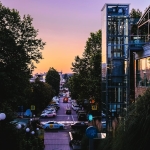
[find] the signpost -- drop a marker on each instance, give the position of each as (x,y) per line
(94,107)
(32,107)
(91,133)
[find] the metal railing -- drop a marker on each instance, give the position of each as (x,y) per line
(138,41)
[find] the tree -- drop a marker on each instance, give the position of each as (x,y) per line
(41,95)
(75,86)
(19,50)
(135,15)
(87,70)
(133,130)
(53,79)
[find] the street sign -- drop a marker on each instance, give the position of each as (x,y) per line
(32,107)
(94,107)
(91,132)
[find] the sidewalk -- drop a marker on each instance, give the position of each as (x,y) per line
(56,141)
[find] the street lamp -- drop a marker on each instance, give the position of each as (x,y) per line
(32,132)
(37,131)
(33,117)
(27,131)
(2,116)
(18,126)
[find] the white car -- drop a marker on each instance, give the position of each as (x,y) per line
(49,110)
(48,114)
(52,125)
(55,99)
(75,107)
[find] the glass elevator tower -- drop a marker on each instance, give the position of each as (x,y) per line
(115,60)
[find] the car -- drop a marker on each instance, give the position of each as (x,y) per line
(54,105)
(64,94)
(52,125)
(49,110)
(55,99)
(82,116)
(65,100)
(79,125)
(16,123)
(75,107)
(68,110)
(48,114)
(24,122)
(80,111)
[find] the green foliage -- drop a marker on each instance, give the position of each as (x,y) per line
(133,130)
(19,49)
(86,80)
(135,14)
(84,143)
(105,144)
(41,95)
(53,79)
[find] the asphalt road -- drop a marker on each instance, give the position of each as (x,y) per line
(59,139)
(61,115)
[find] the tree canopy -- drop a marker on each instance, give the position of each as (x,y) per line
(86,80)
(41,95)
(53,79)
(135,15)
(19,50)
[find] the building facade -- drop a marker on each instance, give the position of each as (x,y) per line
(142,57)
(115,59)
(125,59)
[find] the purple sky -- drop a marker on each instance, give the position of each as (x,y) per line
(65,26)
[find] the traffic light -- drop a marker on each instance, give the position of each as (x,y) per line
(90,117)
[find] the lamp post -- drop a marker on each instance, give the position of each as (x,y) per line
(37,130)
(18,126)
(34,117)
(2,125)
(2,116)
(32,132)
(27,132)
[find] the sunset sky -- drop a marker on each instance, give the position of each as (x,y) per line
(65,26)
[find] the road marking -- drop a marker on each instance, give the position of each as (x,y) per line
(65,115)
(72,118)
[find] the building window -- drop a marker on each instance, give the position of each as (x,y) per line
(143,72)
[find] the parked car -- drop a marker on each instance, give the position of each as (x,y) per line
(54,105)
(80,108)
(75,106)
(82,116)
(52,125)
(24,122)
(16,123)
(55,99)
(49,110)
(80,111)
(79,125)
(48,114)
(64,94)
